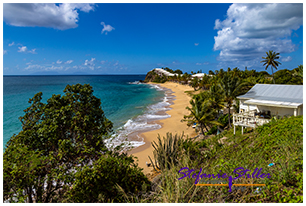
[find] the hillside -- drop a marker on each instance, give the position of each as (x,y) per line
(279,142)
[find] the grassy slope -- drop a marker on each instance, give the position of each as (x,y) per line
(280,142)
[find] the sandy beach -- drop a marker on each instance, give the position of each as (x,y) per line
(172,124)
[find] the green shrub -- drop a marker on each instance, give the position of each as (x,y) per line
(99,182)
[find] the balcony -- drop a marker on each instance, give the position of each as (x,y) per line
(249,119)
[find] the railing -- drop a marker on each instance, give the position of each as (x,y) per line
(246,120)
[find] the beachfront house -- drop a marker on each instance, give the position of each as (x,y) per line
(265,101)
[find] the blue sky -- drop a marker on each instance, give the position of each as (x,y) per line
(135,38)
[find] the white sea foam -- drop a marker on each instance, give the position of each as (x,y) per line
(156,116)
(157,87)
(141,123)
(131,126)
(136,82)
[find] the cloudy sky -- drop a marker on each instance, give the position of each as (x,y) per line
(134,38)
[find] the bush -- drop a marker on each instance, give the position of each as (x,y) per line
(107,178)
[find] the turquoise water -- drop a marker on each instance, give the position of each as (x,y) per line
(127,104)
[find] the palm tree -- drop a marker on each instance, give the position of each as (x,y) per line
(201,113)
(204,83)
(231,87)
(299,71)
(215,98)
(270,60)
(195,83)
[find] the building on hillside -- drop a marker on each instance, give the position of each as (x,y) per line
(265,101)
(199,75)
(161,72)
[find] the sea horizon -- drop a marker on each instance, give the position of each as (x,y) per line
(139,106)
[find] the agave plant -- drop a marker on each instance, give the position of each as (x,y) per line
(166,153)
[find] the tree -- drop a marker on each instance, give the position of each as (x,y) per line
(57,138)
(178,71)
(270,60)
(195,83)
(201,113)
(210,72)
(204,83)
(215,98)
(106,178)
(231,87)
(299,71)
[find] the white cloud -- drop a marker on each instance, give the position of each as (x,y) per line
(196,44)
(58,62)
(12,44)
(32,51)
(22,49)
(4,52)
(286,59)
(252,29)
(106,28)
(37,67)
(204,63)
(62,16)
(90,63)
(69,62)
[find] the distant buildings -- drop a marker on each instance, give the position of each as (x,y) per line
(161,72)
(200,75)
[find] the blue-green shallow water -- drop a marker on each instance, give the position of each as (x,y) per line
(128,105)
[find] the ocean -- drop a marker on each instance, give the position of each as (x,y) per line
(131,106)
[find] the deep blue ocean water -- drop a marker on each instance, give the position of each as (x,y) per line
(127,104)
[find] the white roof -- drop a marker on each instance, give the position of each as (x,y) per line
(280,95)
(200,75)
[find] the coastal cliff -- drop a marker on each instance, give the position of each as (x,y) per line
(152,76)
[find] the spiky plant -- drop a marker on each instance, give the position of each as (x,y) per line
(166,153)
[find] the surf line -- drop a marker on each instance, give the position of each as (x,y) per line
(242,173)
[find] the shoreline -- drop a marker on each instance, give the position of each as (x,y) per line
(172,124)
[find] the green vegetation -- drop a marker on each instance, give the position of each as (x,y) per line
(270,60)
(106,178)
(60,155)
(152,76)
(61,142)
(201,113)
(279,142)
(231,88)
(167,153)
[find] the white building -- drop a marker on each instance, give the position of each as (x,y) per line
(160,72)
(199,75)
(265,101)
